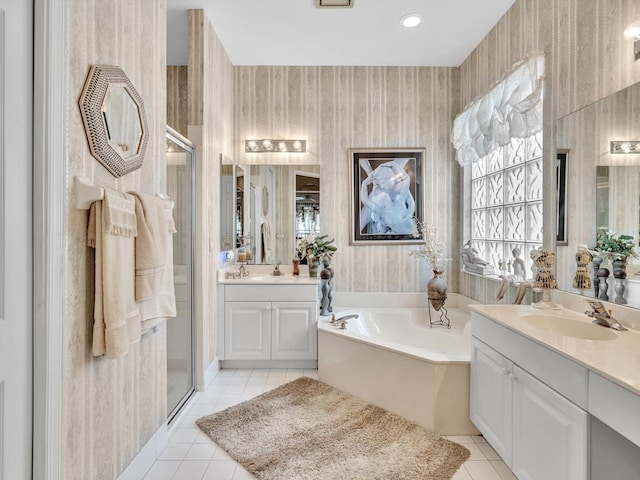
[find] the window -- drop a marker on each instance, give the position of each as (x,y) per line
(506,202)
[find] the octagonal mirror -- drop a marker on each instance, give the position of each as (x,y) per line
(114,119)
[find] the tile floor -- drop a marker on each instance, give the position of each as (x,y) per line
(191,455)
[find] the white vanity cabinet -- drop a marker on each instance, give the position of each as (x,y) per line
(270,326)
(539,433)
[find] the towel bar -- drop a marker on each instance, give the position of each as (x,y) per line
(86,192)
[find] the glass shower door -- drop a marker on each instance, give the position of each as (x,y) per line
(180,330)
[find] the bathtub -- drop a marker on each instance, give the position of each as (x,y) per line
(392,358)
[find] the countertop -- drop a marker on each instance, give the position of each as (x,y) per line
(617,359)
(261,275)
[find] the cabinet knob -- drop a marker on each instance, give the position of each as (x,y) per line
(505,371)
(268,307)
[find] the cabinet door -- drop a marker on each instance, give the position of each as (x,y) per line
(491,402)
(294,331)
(550,435)
(247,331)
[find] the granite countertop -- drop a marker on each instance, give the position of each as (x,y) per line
(617,359)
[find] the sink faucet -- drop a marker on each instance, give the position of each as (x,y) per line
(602,317)
(276,271)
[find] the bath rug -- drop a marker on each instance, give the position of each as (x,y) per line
(306,429)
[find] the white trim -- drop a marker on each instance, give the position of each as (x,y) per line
(211,371)
(49,221)
(2,160)
(147,455)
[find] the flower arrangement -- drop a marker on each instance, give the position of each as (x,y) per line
(316,246)
(614,247)
(432,248)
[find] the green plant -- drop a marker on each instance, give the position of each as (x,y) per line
(316,246)
(614,247)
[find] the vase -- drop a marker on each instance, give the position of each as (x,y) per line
(597,260)
(603,274)
(437,290)
(314,264)
(619,273)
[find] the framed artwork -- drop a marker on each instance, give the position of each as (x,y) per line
(561,197)
(386,195)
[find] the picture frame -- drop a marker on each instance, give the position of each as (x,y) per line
(562,157)
(386,195)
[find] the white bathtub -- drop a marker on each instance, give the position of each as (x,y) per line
(392,358)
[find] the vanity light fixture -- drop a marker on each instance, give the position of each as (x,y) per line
(270,145)
(625,146)
(411,20)
(632,32)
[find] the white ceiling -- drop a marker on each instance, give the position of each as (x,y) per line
(295,32)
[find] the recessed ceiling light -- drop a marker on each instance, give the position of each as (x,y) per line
(411,20)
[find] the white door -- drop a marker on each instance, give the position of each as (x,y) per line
(247,330)
(550,434)
(16,60)
(294,334)
(491,397)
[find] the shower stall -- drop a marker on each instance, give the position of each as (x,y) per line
(180,330)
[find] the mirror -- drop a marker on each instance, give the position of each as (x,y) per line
(603,188)
(122,121)
(265,208)
(114,119)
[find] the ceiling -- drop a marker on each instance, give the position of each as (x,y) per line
(296,32)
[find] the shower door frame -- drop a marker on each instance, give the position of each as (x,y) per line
(187,145)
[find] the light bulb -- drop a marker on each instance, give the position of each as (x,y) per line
(297,145)
(282,146)
(632,31)
(267,144)
(252,145)
(411,20)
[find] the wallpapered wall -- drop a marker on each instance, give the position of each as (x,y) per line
(210,127)
(587,58)
(337,108)
(111,407)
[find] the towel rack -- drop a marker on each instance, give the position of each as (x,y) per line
(86,192)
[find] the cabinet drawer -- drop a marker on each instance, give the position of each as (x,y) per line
(270,293)
(615,406)
(564,376)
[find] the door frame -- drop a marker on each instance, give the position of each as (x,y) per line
(50,187)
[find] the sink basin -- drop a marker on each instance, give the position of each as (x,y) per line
(569,327)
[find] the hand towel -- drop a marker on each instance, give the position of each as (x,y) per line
(154,258)
(267,242)
(116,314)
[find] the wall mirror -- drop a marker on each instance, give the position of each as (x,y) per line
(266,208)
(603,188)
(114,119)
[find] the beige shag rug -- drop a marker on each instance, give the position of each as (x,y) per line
(306,429)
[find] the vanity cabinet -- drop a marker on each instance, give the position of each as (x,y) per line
(270,326)
(537,431)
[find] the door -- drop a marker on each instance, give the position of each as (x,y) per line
(247,330)
(294,332)
(550,434)
(180,344)
(16,333)
(491,401)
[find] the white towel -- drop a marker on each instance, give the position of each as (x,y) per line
(154,259)
(116,314)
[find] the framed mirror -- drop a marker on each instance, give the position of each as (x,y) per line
(114,119)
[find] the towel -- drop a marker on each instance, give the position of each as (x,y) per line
(267,242)
(154,259)
(116,314)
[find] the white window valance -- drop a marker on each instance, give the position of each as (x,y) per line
(511,109)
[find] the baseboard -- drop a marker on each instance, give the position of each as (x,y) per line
(211,371)
(311,364)
(145,458)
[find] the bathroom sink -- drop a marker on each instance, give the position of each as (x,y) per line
(568,327)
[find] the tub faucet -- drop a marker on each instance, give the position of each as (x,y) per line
(336,320)
(602,317)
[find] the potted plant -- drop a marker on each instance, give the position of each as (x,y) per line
(614,248)
(432,250)
(315,248)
